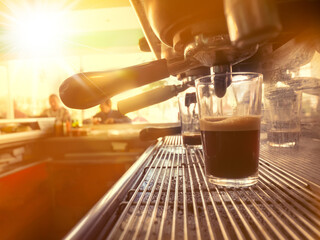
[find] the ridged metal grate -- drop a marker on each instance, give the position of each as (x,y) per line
(302,160)
(174,201)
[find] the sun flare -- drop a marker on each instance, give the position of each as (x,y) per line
(34,29)
(39,32)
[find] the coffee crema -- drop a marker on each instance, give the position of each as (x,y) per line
(191,138)
(231,146)
(236,123)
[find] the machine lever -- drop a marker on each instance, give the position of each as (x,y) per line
(149,98)
(148,134)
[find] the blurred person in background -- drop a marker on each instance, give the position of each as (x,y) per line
(109,116)
(17,112)
(56,110)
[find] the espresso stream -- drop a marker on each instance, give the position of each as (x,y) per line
(231,146)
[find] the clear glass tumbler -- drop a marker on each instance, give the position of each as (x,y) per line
(230,108)
(189,116)
(282,112)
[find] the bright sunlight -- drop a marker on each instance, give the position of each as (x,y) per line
(38,33)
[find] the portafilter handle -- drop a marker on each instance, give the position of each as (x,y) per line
(88,89)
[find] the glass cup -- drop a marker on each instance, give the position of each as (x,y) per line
(230,108)
(189,117)
(282,112)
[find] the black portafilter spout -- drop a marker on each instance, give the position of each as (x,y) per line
(221,82)
(85,90)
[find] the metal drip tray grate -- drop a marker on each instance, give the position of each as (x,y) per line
(172,200)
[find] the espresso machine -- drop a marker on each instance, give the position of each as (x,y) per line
(164,194)
(269,37)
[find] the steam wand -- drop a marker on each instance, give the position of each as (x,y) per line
(151,97)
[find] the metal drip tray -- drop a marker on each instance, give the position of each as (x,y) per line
(171,199)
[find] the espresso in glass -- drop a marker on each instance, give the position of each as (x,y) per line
(191,138)
(231,149)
